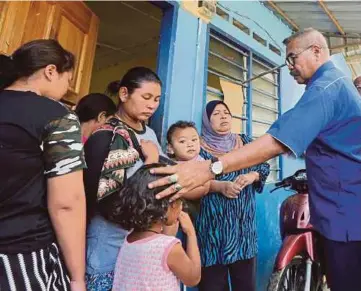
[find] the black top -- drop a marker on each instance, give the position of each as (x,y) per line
(39,139)
(96,149)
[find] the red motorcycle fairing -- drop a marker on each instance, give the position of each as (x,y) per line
(293,245)
(294,214)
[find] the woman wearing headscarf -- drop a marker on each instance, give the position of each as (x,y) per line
(226,224)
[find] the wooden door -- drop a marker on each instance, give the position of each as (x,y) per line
(73,24)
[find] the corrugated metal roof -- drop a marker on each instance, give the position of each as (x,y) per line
(340,21)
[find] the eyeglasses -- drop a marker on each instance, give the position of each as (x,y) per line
(291,57)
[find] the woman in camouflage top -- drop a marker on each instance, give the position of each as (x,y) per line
(42,202)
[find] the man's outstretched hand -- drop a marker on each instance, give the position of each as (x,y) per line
(182,178)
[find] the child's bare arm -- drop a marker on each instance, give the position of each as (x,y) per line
(216,186)
(198,192)
(227,188)
(186,265)
(150,151)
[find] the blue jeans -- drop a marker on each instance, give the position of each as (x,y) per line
(104,240)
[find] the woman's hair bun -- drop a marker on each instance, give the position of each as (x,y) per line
(113,88)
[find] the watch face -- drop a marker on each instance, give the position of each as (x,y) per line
(217,168)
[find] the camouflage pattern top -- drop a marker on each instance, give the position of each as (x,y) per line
(39,139)
(63,149)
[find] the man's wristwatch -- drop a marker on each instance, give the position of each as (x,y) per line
(216,167)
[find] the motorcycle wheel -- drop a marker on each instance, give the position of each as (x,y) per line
(293,276)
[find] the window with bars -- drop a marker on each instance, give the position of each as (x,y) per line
(265,101)
(229,62)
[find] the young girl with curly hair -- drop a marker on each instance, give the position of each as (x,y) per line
(148,259)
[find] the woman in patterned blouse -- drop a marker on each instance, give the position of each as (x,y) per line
(113,153)
(226,227)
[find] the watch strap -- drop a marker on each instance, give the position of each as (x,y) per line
(214,159)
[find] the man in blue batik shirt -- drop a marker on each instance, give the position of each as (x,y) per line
(325,125)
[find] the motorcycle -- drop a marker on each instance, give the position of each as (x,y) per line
(298,265)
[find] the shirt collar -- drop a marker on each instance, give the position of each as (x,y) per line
(326,66)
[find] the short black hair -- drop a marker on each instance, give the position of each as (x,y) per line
(91,105)
(181,124)
(136,206)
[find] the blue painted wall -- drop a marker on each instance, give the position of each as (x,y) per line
(184,70)
(183,55)
(165,66)
(259,20)
(184,75)
(182,64)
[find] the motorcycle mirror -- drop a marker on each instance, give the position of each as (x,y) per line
(274,189)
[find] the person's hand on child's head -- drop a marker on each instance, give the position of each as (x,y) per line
(186,223)
(231,189)
(150,151)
